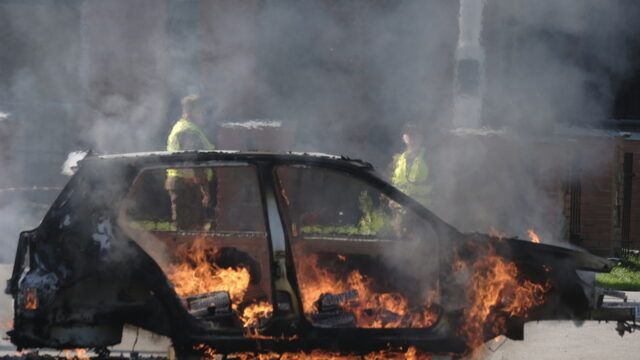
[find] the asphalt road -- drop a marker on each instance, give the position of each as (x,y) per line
(543,340)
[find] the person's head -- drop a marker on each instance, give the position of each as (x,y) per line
(412,135)
(193,109)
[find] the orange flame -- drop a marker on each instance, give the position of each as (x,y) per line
(496,292)
(410,353)
(533,236)
(458,264)
(372,308)
(80,354)
(31,299)
(253,313)
(195,274)
(495,233)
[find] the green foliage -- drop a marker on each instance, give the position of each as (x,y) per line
(624,276)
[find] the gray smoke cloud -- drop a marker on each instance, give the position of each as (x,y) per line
(547,71)
(36,56)
(352,73)
(108,76)
(567,59)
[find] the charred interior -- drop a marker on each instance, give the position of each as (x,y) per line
(217,265)
(342,235)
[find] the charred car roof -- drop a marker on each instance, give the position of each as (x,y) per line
(203,155)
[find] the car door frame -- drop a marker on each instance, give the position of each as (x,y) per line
(353,338)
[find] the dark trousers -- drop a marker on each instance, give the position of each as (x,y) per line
(187,210)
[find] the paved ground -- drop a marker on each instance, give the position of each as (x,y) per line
(563,340)
(543,340)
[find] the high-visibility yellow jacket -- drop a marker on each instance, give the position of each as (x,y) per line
(186,135)
(413,179)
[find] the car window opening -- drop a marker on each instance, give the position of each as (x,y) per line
(206,228)
(350,244)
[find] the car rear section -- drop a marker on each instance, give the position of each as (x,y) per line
(75,280)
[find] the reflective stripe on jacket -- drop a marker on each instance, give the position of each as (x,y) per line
(413,179)
(175,142)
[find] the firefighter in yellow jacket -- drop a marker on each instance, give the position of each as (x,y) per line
(188,188)
(410,170)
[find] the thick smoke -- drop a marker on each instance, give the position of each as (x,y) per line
(37,47)
(352,73)
(567,60)
(548,70)
(108,76)
(123,73)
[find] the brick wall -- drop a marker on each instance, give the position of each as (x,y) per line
(597,176)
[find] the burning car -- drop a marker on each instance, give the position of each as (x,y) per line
(295,253)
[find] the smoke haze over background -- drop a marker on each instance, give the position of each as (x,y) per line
(108,76)
(548,67)
(566,61)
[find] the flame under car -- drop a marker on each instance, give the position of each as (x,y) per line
(289,253)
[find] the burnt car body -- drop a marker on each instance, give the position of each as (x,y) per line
(107,254)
